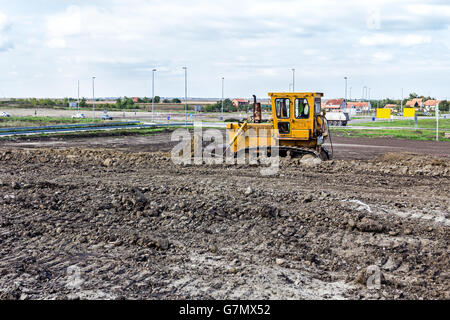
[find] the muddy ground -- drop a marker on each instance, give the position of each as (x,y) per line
(106,221)
(345,148)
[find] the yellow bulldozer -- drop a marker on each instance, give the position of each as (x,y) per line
(297,127)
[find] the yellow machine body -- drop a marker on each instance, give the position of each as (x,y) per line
(297,124)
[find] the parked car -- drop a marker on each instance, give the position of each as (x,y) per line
(106,117)
(5,115)
(79,116)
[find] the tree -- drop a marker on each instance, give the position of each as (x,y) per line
(157,99)
(404,101)
(125,103)
(217,107)
(244,107)
(444,105)
(176,100)
(83,103)
(119,103)
(46,102)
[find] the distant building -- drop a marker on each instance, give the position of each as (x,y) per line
(359,106)
(415,103)
(240,102)
(135,99)
(73,104)
(391,106)
(198,108)
(335,104)
(431,104)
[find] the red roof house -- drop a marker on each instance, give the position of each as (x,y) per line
(335,104)
(415,103)
(240,102)
(431,104)
(363,106)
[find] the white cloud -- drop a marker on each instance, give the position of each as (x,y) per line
(429,10)
(56,43)
(402,40)
(3,21)
(382,56)
(122,41)
(64,24)
(5,42)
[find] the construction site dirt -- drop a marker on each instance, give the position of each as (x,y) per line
(115,218)
(345,148)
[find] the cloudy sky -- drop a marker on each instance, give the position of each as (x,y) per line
(47,45)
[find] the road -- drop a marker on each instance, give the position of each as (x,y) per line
(118,115)
(208,119)
(369,148)
(347,148)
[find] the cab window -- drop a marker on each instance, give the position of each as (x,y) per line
(318,104)
(301,109)
(283,108)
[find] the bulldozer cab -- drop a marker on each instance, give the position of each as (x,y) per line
(294,114)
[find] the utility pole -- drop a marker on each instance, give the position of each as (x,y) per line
(93,97)
(223,91)
(293,80)
(185,95)
(153,95)
(290,87)
(401,103)
(345,88)
(437,120)
(78,103)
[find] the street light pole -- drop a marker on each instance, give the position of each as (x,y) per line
(293,80)
(78,103)
(185,95)
(223,91)
(93,97)
(345,88)
(437,120)
(401,103)
(351,93)
(153,95)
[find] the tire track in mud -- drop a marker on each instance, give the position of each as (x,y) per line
(139,226)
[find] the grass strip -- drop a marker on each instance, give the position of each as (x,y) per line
(390,133)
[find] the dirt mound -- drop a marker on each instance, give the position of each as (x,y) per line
(397,157)
(94,223)
(391,163)
(72,156)
(414,159)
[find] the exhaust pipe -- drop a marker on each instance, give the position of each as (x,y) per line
(257,112)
